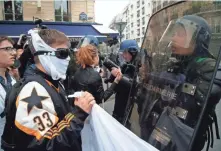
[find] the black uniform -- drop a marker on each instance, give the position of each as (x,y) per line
(41,119)
(89,80)
(176,93)
(125,88)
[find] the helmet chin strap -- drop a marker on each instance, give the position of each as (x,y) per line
(180,62)
(181,57)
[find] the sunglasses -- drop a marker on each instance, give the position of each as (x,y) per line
(8,49)
(61,53)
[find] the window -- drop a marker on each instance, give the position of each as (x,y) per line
(143,21)
(138,3)
(138,13)
(132,33)
(127,28)
(132,16)
(61,10)
(132,24)
(143,30)
(158,5)
(13,10)
(154,4)
(138,23)
(164,3)
(128,36)
(143,11)
(138,40)
(131,6)
(142,1)
(138,32)
(126,14)
(216,25)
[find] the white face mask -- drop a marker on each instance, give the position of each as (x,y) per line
(53,66)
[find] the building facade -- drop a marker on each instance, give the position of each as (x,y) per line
(48,10)
(159,4)
(136,15)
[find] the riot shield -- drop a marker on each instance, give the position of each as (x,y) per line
(174,106)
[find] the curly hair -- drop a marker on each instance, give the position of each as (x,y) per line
(86,55)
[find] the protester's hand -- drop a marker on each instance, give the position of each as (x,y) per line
(118,77)
(85,102)
(19,53)
(115,71)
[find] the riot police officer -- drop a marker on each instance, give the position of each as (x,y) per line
(178,93)
(129,50)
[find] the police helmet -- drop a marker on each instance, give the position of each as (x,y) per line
(203,35)
(197,31)
(89,39)
(129,45)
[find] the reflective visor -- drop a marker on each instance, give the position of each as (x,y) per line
(84,42)
(180,33)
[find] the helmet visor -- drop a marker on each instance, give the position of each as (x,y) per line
(181,33)
(86,41)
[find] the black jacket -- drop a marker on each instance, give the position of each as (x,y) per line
(43,119)
(88,79)
(125,89)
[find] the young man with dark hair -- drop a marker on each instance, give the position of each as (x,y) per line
(7,58)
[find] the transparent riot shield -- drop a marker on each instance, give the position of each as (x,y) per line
(174,104)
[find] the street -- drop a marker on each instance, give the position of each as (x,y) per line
(109,105)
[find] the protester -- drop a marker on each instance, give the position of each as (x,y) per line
(129,50)
(38,116)
(88,79)
(7,58)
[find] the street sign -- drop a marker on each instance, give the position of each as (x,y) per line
(83,16)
